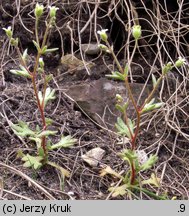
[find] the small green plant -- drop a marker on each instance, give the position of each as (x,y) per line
(130,128)
(41,135)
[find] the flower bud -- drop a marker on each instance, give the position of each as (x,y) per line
(136,32)
(152,106)
(25,55)
(104,48)
(180,62)
(14,42)
(41,62)
(38,10)
(119,98)
(8,32)
(53,10)
(166,68)
(103,34)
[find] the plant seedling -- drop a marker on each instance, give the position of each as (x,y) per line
(40,135)
(129,128)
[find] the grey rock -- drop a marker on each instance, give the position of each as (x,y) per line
(90,49)
(74,65)
(94,156)
(97,99)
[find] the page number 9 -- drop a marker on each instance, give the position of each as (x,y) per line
(182,208)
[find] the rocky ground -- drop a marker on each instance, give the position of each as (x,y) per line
(85,98)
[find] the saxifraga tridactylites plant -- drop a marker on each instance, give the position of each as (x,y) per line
(129,128)
(40,135)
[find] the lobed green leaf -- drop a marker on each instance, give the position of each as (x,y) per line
(123,129)
(149,163)
(22,129)
(65,142)
(31,161)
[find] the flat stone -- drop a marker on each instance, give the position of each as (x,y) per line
(90,49)
(97,99)
(75,64)
(94,156)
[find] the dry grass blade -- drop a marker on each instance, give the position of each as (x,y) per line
(46,193)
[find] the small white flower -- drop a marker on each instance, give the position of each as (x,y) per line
(103,31)
(8,31)
(9,28)
(180,58)
(180,62)
(41,62)
(103,34)
(53,10)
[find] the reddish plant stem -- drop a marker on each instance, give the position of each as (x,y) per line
(133,138)
(40,106)
(138,110)
(133,174)
(33,78)
(42,115)
(133,141)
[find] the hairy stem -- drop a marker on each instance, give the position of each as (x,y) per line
(133,141)
(36,30)
(46,34)
(40,107)
(133,138)
(133,174)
